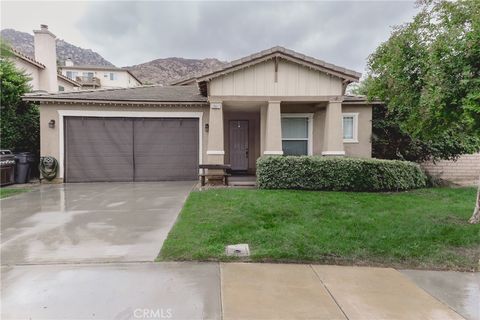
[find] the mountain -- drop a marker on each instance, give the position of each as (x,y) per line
(164,71)
(159,71)
(23,42)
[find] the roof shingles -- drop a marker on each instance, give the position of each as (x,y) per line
(136,94)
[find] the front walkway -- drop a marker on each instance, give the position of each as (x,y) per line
(188,290)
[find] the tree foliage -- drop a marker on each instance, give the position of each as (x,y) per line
(428,75)
(19,121)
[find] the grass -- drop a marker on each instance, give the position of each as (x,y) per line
(7,192)
(425,229)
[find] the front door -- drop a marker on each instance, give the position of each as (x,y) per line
(239,144)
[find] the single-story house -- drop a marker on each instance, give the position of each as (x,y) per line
(274,102)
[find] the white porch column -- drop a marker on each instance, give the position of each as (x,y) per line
(215,151)
(263,123)
(273,129)
(333,136)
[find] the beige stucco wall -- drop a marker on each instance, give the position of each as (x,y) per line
(292,80)
(49,138)
(67,85)
(364,146)
(361,149)
(45,53)
(31,70)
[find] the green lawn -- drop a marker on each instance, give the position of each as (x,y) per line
(7,192)
(418,229)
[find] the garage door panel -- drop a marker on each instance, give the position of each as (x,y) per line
(99,149)
(131,149)
(166,149)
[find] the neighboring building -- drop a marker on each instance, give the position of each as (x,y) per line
(94,77)
(270,103)
(43,69)
(464,171)
(47,76)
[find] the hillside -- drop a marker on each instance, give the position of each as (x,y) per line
(164,71)
(158,71)
(23,42)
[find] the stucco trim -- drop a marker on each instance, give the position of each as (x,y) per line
(277,153)
(217,152)
(127,114)
(333,153)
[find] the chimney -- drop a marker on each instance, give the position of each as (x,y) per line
(46,53)
(69,62)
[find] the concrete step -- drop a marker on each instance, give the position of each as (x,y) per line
(242,183)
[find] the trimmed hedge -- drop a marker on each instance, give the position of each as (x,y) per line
(339,174)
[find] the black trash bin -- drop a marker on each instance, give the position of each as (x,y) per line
(24,161)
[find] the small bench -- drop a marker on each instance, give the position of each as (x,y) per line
(222,167)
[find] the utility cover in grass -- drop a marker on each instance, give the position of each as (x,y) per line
(237,250)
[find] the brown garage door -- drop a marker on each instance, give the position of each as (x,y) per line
(130,149)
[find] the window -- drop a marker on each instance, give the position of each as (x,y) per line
(296,134)
(113,76)
(61,88)
(350,127)
(72,74)
(88,75)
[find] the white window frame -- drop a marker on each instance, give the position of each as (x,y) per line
(73,74)
(309,117)
(353,115)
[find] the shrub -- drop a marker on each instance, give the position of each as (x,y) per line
(347,174)
(20,120)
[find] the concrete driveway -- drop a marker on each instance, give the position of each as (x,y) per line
(94,222)
(86,251)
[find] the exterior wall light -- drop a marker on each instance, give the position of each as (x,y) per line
(51,124)
(207,127)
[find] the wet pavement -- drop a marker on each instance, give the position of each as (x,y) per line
(112,291)
(86,251)
(459,290)
(90,222)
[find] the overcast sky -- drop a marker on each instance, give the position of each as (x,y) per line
(126,33)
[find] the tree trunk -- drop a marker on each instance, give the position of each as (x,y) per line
(476,212)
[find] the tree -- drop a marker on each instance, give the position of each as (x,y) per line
(428,75)
(476,212)
(19,121)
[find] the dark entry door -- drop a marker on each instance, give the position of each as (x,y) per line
(239,144)
(130,149)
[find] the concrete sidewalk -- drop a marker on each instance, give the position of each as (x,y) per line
(188,290)
(279,291)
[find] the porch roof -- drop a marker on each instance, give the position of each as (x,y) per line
(275,52)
